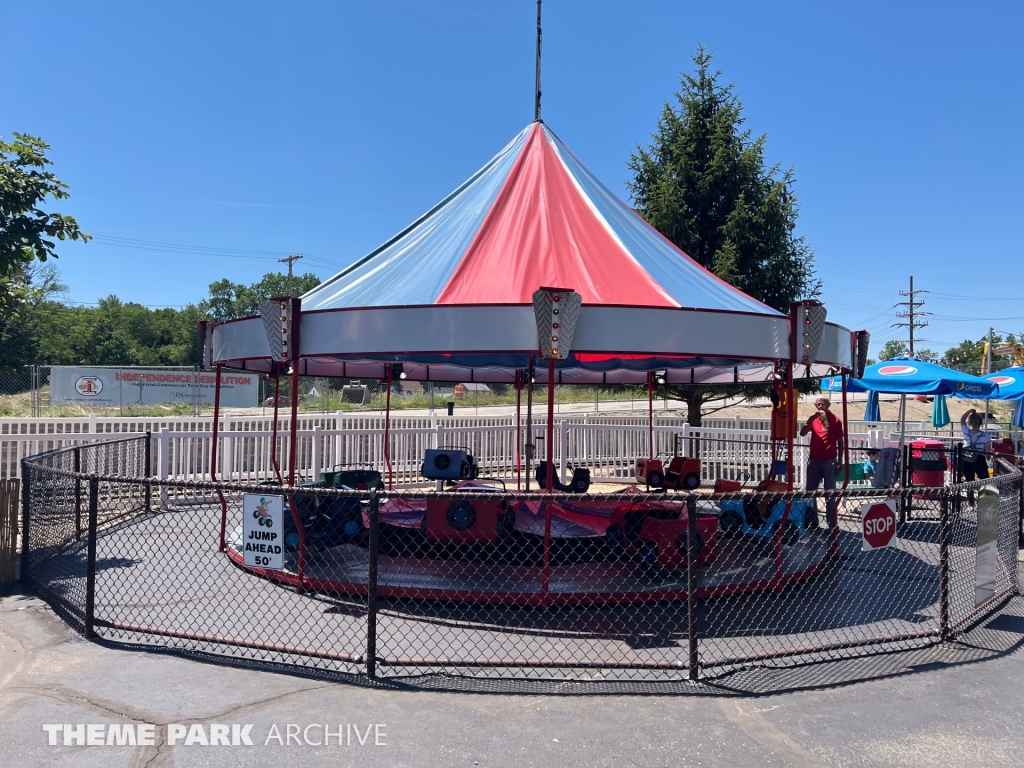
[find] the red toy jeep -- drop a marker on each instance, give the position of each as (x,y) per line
(682,474)
(658,532)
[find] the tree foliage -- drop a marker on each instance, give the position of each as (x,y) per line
(25,183)
(229,300)
(969,356)
(47,330)
(896,348)
(703,182)
(893,348)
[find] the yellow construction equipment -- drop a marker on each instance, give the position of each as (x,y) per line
(1016,351)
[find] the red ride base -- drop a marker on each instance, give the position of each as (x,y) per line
(467,521)
(669,537)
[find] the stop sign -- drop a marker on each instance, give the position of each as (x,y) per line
(879,525)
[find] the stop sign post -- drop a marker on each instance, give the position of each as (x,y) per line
(878,525)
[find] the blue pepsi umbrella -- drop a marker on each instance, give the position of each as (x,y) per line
(1010,382)
(871,411)
(835,384)
(910,376)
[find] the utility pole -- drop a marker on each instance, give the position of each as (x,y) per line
(988,369)
(296,256)
(913,311)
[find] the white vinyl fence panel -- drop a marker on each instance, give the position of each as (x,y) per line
(736,449)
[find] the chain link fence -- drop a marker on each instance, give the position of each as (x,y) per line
(480,581)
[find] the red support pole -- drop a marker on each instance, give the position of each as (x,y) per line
(273,427)
(832,510)
(387,424)
(791,399)
(546,578)
(790,429)
(846,438)
(213,459)
(293,439)
(519,430)
(650,415)
(292,451)
(531,444)
(551,425)
(216,424)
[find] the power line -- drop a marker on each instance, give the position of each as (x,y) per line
(150,245)
(985,319)
(202,250)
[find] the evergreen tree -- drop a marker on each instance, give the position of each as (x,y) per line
(704,184)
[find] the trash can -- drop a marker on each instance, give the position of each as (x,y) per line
(928,463)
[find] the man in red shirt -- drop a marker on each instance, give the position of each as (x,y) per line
(826,438)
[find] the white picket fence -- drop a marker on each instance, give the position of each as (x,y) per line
(608,446)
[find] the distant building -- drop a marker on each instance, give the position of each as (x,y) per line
(411,388)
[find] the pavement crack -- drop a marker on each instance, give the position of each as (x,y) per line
(78,698)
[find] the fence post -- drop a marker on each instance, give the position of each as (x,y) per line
(371,587)
(92,424)
(691,587)
(338,426)
(317,453)
(26,477)
(90,562)
(165,464)
(904,484)
(226,452)
(147,469)
(563,453)
(78,494)
(944,566)
(1020,512)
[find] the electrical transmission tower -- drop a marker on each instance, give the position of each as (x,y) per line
(910,317)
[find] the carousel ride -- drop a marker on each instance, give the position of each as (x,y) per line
(463,294)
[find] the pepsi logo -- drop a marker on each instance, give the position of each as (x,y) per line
(897,370)
(964,387)
(1002,381)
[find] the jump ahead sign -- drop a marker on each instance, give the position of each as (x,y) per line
(263,531)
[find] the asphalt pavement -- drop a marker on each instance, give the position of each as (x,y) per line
(959,704)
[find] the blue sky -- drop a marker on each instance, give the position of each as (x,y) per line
(325,127)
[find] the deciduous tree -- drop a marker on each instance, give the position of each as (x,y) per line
(26,230)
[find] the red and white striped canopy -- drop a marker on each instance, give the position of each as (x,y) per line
(453,290)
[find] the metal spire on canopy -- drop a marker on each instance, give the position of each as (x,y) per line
(536,101)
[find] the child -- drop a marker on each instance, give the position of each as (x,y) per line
(871,463)
(976,443)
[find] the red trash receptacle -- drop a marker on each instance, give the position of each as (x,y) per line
(928,462)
